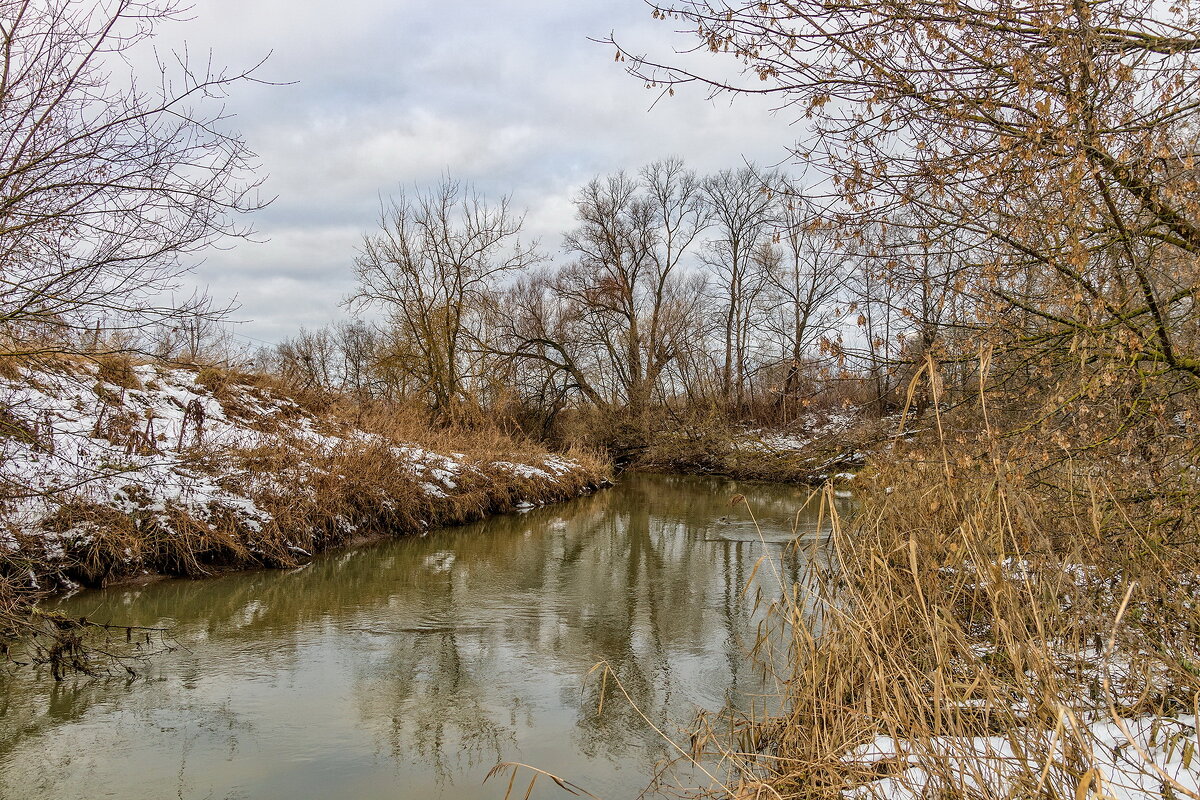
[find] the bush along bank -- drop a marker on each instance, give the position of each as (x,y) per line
(111,470)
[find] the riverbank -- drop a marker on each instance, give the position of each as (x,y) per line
(973,633)
(113,469)
(812,449)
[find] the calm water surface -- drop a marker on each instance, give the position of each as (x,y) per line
(407,669)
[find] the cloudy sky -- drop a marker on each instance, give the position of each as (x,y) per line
(508,94)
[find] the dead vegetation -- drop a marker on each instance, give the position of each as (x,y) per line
(972,634)
(808,451)
(117,369)
(166,490)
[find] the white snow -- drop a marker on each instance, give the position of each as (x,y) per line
(1121,759)
(807,430)
(69,437)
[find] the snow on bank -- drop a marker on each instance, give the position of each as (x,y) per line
(817,447)
(160,442)
(807,431)
(1084,741)
(1143,759)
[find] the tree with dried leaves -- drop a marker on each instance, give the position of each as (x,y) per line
(1059,135)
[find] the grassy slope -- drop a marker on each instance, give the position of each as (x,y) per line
(814,448)
(115,469)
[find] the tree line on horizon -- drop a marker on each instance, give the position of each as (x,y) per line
(728,291)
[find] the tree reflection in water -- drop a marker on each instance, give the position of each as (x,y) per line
(420,663)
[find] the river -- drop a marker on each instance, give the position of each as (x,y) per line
(408,668)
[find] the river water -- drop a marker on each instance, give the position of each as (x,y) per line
(407,669)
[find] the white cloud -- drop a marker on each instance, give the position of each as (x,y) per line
(509,95)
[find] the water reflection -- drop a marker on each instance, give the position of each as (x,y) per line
(407,669)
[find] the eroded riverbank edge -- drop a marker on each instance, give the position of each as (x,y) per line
(124,472)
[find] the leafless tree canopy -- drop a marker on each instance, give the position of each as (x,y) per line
(108,181)
(433,269)
(732,291)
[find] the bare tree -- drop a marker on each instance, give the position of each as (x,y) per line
(550,341)
(107,185)
(358,345)
(741,205)
(609,322)
(676,196)
(805,271)
(873,306)
(308,360)
(196,332)
(432,269)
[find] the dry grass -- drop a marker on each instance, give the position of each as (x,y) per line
(317,498)
(984,626)
(709,444)
(117,369)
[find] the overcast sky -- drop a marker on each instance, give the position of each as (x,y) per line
(508,94)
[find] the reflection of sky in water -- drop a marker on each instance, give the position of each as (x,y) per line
(407,669)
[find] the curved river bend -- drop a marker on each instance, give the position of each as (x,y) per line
(407,669)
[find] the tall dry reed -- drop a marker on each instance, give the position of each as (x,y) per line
(967,635)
